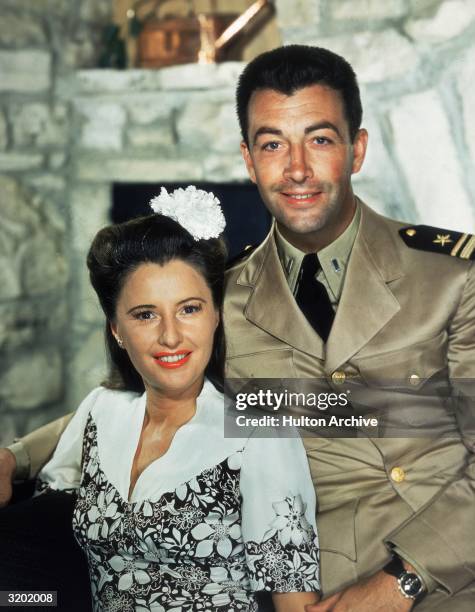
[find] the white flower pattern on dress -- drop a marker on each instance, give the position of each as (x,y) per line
(217,532)
(291,523)
(98,514)
(149,557)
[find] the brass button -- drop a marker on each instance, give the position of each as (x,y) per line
(414,379)
(411,232)
(338,377)
(398,474)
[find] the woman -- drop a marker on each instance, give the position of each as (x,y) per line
(171,514)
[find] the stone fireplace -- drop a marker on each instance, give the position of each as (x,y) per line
(69,132)
(160,127)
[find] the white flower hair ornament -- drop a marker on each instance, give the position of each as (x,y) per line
(198,211)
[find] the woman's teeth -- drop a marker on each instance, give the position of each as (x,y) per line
(172,358)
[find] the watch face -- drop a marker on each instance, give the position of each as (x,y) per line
(411,584)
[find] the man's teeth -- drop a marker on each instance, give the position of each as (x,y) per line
(172,358)
(303,196)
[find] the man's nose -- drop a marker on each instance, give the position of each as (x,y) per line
(170,334)
(298,167)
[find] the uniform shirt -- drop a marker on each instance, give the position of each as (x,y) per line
(333,260)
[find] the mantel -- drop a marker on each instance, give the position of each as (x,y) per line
(175,78)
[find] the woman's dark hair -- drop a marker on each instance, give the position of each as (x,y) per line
(290,68)
(118,250)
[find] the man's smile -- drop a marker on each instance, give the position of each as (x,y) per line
(305,198)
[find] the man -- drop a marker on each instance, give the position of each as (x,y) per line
(300,114)
(395,514)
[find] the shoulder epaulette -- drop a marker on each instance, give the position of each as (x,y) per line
(240,256)
(436,240)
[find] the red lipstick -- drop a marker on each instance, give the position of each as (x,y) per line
(171,361)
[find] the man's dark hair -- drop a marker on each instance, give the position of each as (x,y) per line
(290,68)
(118,250)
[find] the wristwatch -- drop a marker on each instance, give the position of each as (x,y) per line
(410,585)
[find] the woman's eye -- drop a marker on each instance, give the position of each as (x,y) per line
(145,315)
(191,308)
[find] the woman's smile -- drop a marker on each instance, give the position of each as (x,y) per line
(172,360)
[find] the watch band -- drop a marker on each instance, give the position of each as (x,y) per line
(395,567)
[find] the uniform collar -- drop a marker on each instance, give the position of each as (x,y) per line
(374,263)
(333,258)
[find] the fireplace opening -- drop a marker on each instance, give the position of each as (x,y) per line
(247,219)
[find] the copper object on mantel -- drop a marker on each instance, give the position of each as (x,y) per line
(182,40)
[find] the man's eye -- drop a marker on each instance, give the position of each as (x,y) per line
(144,315)
(271,146)
(191,308)
(322,140)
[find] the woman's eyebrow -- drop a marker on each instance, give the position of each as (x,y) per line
(200,299)
(191,298)
(140,306)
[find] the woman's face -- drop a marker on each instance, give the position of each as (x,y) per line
(166,319)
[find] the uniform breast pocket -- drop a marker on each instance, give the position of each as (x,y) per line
(263,364)
(409,367)
(411,385)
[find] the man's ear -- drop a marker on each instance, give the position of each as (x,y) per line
(359,150)
(248,161)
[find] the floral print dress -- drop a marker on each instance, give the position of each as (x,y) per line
(207,525)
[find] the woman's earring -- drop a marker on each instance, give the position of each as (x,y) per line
(119,342)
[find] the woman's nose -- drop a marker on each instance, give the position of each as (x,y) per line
(170,333)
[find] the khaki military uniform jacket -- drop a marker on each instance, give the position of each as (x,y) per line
(405,317)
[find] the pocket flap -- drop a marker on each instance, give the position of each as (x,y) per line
(336,529)
(264,364)
(408,367)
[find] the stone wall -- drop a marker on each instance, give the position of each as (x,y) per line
(69,131)
(415,60)
(41,41)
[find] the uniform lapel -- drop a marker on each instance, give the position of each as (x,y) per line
(271,305)
(367,302)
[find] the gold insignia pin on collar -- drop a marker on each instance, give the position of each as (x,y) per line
(442,239)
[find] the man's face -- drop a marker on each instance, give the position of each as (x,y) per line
(301,158)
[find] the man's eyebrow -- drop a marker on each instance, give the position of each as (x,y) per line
(322,125)
(266,130)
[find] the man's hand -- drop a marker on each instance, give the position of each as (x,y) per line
(7,473)
(379,593)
